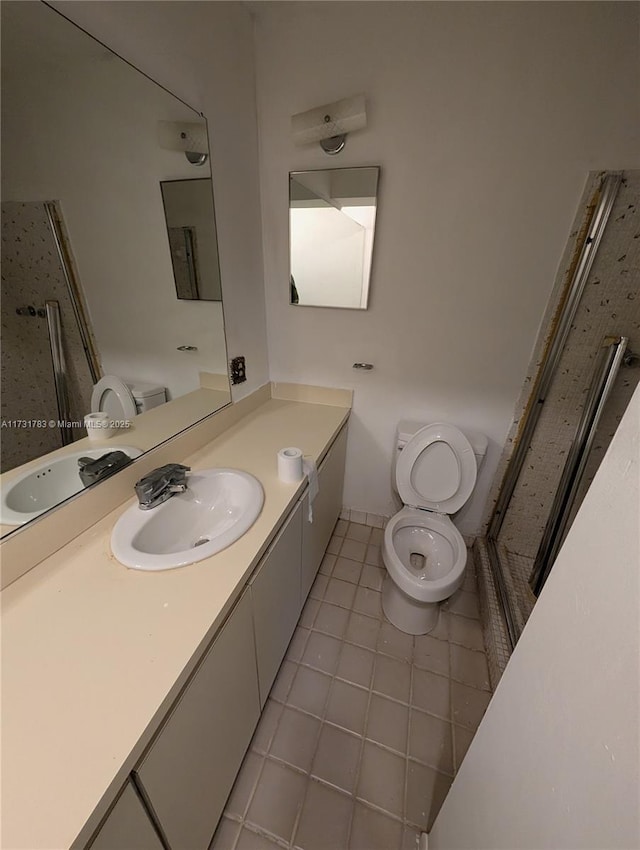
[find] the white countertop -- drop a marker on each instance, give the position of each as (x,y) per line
(93,653)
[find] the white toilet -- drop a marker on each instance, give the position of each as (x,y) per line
(435,469)
(124,401)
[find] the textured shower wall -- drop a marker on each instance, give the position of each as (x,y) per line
(610,306)
(32,274)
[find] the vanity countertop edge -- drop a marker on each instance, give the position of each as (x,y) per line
(94,653)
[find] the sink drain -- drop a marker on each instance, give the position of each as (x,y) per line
(201,541)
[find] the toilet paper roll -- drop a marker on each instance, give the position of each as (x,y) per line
(98,426)
(290,465)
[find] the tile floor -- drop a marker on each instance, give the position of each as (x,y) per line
(365,726)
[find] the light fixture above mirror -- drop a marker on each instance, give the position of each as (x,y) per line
(329,124)
(332,216)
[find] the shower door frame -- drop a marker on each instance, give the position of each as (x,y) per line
(585,255)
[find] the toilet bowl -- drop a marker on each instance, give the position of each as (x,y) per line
(124,401)
(435,470)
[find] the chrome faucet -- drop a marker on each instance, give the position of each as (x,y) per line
(161,484)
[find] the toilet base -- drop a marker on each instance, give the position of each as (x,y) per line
(411,617)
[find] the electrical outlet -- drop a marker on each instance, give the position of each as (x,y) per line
(238,370)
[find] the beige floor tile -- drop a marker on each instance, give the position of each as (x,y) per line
(319,586)
(463,603)
(246,780)
(356,665)
(381,780)
(325,819)
(368,602)
(297,644)
(347,570)
(431,693)
(334,545)
(387,723)
(375,520)
(309,691)
(340,593)
(426,790)
(372,830)
(267,726)
(322,652)
(392,641)
(327,564)
(468,705)
(359,516)
(331,619)
(441,631)
(462,738)
(277,800)
(347,706)
(372,577)
(373,556)
(431,654)
(363,630)
(470,667)
(353,549)
(431,741)
(296,738)
(376,536)
(358,532)
(250,840)
(226,835)
(392,678)
(337,756)
(341,528)
(466,632)
(284,679)
(309,613)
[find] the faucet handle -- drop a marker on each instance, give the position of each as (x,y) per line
(171,478)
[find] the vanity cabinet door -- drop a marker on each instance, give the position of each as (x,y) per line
(190,768)
(275,596)
(127,826)
(326,510)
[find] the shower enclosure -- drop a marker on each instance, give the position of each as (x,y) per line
(585,372)
(45,332)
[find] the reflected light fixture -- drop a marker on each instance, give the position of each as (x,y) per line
(330,124)
(188,137)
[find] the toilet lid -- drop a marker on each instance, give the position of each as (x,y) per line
(437,469)
(111,395)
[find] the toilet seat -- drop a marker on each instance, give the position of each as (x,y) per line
(437,469)
(443,571)
(111,395)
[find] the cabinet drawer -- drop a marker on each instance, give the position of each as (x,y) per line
(326,510)
(275,597)
(191,766)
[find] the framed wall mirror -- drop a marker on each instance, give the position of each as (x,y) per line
(88,287)
(332,216)
(190,219)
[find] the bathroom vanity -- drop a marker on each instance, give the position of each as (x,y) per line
(130,698)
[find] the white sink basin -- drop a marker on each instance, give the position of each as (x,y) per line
(217,508)
(41,487)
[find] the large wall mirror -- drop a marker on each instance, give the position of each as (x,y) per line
(90,146)
(332,216)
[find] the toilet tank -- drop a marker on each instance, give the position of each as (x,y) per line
(407,428)
(147,396)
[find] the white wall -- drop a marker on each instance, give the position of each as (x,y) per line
(485,119)
(203,52)
(555,762)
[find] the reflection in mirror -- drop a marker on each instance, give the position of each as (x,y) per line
(332,215)
(88,293)
(189,213)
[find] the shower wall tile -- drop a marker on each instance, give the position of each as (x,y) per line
(610,306)
(31,275)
